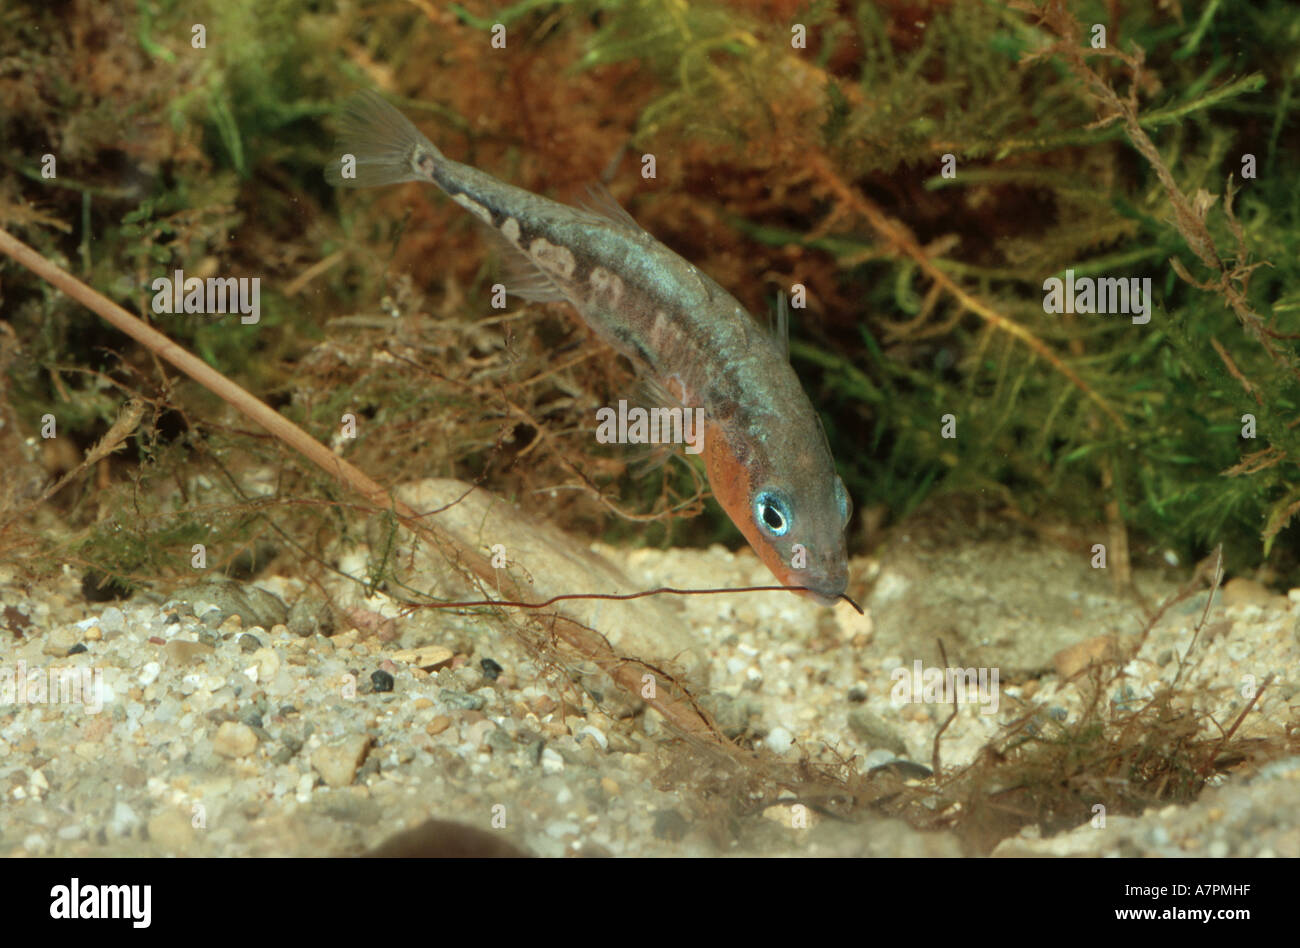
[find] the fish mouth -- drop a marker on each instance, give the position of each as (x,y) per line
(824,592)
(821,598)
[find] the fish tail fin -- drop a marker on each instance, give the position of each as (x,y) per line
(384,146)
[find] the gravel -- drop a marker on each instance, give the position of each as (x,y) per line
(252,736)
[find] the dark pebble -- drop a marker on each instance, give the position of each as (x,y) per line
(249,643)
(670,825)
(491,670)
(905,769)
(253,720)
(857,695)
(381,680)
(288,709)
(209,638)
(172,618)
(77,649)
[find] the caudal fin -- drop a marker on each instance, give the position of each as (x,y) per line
(385,146)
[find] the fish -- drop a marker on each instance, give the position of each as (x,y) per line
(766,454)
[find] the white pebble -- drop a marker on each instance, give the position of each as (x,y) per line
(123,820)
(552,763)
(149,674)
(779,740)
(112,620)
(596,735)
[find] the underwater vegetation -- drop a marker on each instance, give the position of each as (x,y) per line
(921,171)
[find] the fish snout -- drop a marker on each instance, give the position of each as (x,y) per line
(827,585)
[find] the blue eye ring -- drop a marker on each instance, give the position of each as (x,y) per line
(772,513)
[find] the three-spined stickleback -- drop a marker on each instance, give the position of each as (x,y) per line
(766,454)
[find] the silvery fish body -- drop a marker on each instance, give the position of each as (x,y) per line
(765,452)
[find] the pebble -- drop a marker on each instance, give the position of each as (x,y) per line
(60,641)
(234,739)
(337,763)
(779,740)
(310,615)
(170,830)
(181,652)
(552,763)
(670,825)
(458,699)
(426,656)
(381,680)
(876,732)
(1074,658)
(123,820)
(268,663)
(542,705)
(253,605)
(112,621)
(249,643)
(491,670)
(595,734)
(149,673)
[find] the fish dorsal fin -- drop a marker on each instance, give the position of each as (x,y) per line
(780,326)
(600,203)
(522,277)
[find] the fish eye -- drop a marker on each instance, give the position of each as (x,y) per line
(772,513)
(845,501)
